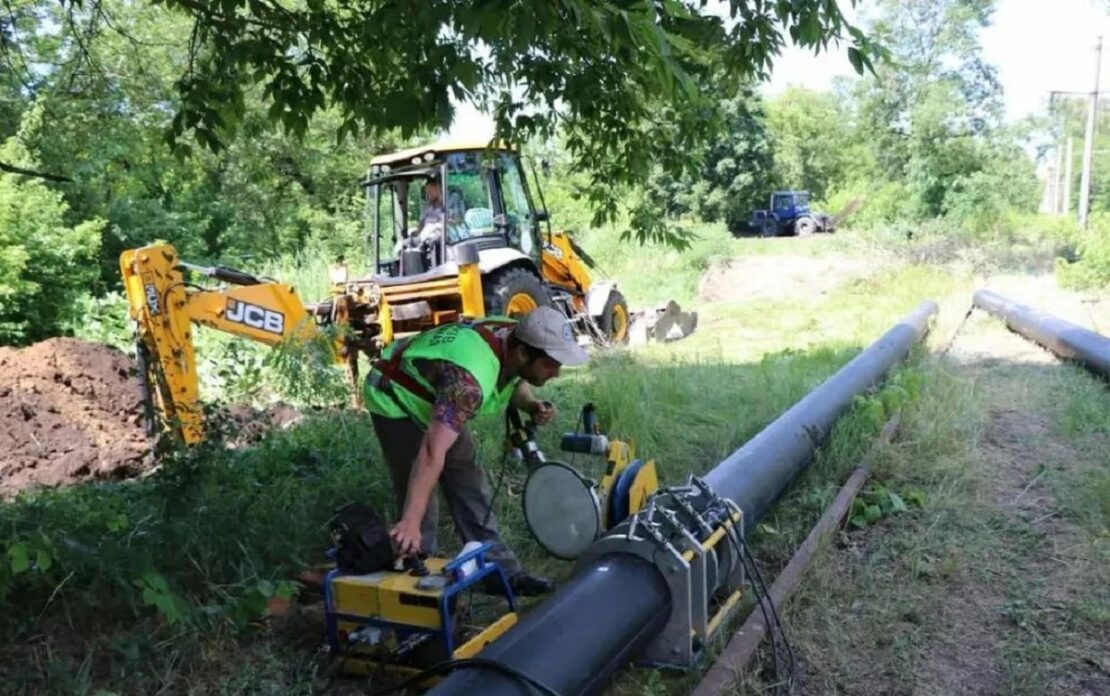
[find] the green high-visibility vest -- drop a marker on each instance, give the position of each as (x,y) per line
(456,343)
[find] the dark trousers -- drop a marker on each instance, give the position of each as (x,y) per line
(464,483)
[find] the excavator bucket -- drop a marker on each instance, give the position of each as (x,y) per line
(662,324)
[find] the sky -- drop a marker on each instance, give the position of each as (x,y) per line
(1037,46)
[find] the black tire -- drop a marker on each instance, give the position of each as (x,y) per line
(500,287)
(805,226)
(825,224)
(615,320)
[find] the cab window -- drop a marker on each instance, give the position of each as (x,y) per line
(517,208)
(469,206)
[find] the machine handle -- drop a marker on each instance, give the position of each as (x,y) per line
(233,276)
(589,419)
(478,553)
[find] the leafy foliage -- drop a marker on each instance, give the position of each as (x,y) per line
(878,501)
(45,264)
(932,118)
(195,545)
(598,72)
(1092,268)
(735,174)
(816,147)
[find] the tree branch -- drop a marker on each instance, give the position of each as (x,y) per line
(12,169)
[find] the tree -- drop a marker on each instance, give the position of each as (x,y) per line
(933,113)
(736,168)
(45,264)
(103,121)
(816,148)
(597,71)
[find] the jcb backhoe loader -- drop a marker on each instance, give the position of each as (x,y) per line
(476,249)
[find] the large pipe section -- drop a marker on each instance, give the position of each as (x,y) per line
(754,475)
(645,589)
(1067,340)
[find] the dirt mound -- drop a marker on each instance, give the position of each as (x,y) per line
(777,277)
(69,411)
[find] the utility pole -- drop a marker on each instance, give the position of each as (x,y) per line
(1069,158)
(1054,185)
(1089,144)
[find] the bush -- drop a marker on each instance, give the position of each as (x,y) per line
(103,320)
(1092,267)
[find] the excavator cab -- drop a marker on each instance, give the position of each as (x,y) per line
(431,208)
(435,210)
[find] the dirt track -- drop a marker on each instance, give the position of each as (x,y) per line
(69,411)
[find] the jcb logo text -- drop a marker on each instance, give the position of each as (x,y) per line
(255,317)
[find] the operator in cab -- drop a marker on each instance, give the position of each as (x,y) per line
(422,392)
(432,217)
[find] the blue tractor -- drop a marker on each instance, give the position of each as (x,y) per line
(789,215)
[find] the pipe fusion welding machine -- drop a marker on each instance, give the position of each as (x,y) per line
(406,616)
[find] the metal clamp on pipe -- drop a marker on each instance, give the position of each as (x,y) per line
(692,536)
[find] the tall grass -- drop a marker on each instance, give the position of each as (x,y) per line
(191,554)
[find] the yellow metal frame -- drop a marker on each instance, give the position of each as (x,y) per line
(560,265)
(384,595)
(620,457)
(164,309)
(361,667)
(406,157)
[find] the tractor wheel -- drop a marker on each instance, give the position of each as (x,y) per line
(614,320)
(513,292)
(803,227)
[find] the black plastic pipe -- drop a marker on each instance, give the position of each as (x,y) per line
(1067,340)
(612,609)
(754,475)
(575,641)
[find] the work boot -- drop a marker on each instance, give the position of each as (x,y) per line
(521,582)
(527,585)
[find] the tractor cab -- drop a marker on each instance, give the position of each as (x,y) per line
(789,205)
(451,234)
(455,233)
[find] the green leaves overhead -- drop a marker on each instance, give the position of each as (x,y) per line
(601,71)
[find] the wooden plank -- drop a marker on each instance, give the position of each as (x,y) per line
(741,649)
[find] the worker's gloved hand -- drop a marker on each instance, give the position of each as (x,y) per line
(406,537)
(543,412)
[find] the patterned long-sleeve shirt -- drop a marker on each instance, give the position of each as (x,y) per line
(458,394)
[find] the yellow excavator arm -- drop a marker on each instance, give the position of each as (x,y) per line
(165,307)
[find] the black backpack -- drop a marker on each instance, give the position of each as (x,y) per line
(361,539)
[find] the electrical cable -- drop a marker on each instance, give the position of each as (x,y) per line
(448,666)
(790,663)
(772,621)
(500,476)
(738,546)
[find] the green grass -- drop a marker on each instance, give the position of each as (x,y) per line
(224,529)
(654,273)
(974,586)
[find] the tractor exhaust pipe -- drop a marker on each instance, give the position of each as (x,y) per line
(622,601)
(1071,342)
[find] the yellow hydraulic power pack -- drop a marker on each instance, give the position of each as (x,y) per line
(403,621)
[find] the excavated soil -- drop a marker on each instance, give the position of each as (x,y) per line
(69,411)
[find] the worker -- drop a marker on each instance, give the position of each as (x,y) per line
(431,218)
(422,393)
